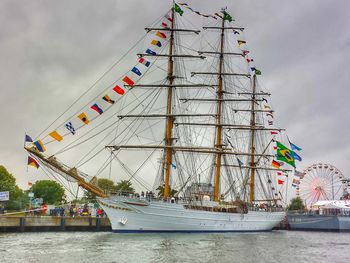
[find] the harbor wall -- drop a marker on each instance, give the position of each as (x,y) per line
(52,223)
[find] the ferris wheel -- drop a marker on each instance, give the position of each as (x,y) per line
(322,182)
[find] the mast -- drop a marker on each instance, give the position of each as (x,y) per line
(218,141)
(170,119)
(252,144)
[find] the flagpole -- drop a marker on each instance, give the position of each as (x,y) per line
(287,187)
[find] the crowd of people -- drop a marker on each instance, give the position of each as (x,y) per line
(70,210)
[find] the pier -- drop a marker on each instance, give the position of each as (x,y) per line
(52,223)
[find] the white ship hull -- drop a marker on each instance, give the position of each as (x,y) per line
(172,217)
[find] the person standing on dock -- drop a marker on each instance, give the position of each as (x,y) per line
(62,211)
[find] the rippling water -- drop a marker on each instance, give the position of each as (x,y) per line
(277,246)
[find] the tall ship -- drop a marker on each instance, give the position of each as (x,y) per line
(191,117)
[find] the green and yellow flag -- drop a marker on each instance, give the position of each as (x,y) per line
(257,72)
(178,9)
(284,154)
(227,16)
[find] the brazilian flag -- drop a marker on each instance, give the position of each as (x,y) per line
(284,154)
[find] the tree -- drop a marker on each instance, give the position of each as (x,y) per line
(18,199)
(50,191)
(124,186)
(160,189)
(106,185)
(296,204)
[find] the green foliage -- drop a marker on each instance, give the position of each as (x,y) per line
(296,204)
(161,191)
(124,186)
(88,197)
(50,191)
(106,185)
(18,199)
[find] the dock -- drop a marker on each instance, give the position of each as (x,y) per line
(53,223)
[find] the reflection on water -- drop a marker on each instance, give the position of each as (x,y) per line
(279,246)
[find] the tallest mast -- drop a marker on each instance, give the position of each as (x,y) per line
(170,120)
(218,141)
(252,145)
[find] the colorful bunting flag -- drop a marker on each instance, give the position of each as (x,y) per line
(245,52)
(56,136)
(263,99)
(108,99)
(219,15)
(294,185)
(39,146)
(249,60)
(173,165)
(136,71)
(235,32)
(257,72)
(144,62)
(33,162)
(96,108)
(165,25)
(156,43)
(70,127)
(267,107)
(299,174)
(240,42)
(120,90)
(168,17)
(279,173)
(270,122)
(82,116)
(160,34)
(296,156)
(294,147)
(178,9)
(275,164)
(280,181)
(28,138)
(151,52)
(296,181)
(274,132)
(128,81)
(284,154)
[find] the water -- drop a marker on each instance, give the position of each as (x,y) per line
(277,246)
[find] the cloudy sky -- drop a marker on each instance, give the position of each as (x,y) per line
(51,51)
